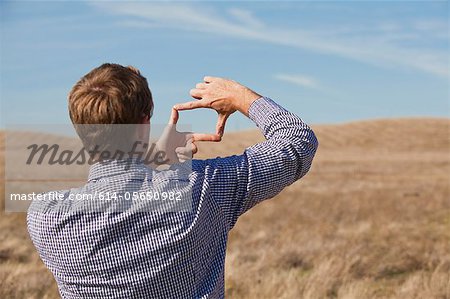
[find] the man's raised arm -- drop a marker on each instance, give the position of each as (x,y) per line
(238,183)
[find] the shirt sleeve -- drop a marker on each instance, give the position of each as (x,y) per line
(237,183)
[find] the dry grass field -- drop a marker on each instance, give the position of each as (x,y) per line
(371,220)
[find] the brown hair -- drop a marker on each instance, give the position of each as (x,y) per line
(110,94)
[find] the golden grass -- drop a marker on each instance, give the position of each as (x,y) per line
(371,220)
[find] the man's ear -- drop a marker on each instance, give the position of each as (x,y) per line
(145,119)
(143,127)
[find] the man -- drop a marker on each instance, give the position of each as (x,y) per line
(132,253)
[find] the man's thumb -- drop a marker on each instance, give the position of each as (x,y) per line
(173,117)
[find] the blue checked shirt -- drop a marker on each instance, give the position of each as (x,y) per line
(168,253)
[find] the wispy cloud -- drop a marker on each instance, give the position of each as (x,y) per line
(377,47)
(245,17)
(300,80)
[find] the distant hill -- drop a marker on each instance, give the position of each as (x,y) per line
(395,135)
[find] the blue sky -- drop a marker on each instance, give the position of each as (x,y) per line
(329,62)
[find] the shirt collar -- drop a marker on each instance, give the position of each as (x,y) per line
(111,168)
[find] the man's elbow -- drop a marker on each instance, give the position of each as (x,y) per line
(314,144)
(309,149)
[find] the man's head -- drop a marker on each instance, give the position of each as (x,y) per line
(110,108)
(110,94)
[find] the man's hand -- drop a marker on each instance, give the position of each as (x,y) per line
(223,95)
(180,146)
